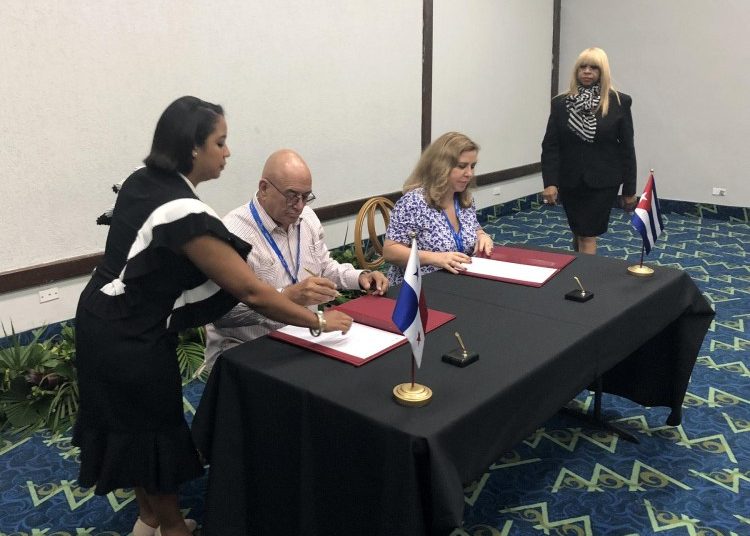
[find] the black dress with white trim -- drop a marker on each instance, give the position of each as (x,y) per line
(131,426)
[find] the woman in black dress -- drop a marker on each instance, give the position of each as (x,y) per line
(588,151)
(169,264)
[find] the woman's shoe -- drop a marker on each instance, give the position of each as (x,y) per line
(143,529)
(191,524)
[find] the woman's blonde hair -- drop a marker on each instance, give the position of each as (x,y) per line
(598,58)
(435,165)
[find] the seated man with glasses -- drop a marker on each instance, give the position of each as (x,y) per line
(289,252)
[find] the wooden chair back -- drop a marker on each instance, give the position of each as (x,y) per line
(368,212)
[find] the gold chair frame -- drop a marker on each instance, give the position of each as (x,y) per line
(368,210)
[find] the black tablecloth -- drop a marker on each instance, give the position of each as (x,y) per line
(307,445)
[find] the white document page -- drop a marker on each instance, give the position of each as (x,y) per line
(360,341)
(509,270)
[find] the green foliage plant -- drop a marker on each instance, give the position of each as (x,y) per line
(39,387)
(39,383)
(191,345)
(344,254)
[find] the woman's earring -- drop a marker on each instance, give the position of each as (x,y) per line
(195,153)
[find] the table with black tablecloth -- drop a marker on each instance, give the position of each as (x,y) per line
(303,444)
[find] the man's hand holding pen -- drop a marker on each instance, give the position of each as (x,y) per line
(313,290)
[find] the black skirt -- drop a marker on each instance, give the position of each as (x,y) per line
(588,209)
(131,427)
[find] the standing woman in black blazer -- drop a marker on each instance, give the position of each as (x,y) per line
(588,151)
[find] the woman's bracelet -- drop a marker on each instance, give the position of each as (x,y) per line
(321,325)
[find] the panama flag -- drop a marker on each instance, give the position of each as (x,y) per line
(410,313)
(647,216)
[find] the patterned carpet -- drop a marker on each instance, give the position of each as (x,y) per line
(565,479)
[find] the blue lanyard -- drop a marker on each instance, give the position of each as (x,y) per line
(456,234)
(272,242)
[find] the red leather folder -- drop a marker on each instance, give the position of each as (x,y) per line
(376,311)
(373,311)
(531,257)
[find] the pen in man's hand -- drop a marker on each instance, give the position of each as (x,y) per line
(316,275)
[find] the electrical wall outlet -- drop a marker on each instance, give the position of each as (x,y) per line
(719,191)
(49,294)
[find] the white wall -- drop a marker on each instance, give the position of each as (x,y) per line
(491,77)
(21,310)
(84,83)
(685,63)
(491,73)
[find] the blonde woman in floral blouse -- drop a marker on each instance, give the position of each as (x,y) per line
(437,206)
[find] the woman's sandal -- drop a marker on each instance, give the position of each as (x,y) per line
(143,529)
(191,524)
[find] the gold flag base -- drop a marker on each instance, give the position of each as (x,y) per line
(640,270)
(412,394)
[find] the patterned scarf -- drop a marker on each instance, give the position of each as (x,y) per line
(581,112)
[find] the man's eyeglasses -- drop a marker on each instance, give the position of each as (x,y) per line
(292,198)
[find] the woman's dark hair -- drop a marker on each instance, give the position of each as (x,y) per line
(184,125)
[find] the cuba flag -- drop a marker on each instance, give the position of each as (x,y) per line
(410,313)
(647,216)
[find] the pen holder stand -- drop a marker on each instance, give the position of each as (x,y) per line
(579,295)
(460,358)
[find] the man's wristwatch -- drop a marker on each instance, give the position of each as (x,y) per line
(321,325)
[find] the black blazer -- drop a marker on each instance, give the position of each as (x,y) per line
(609,161)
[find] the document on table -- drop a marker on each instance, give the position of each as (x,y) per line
(360,344)
(512,271)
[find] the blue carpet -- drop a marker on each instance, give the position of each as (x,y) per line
(565,479)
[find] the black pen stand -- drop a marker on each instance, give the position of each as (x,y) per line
(579,295)
(460,357)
